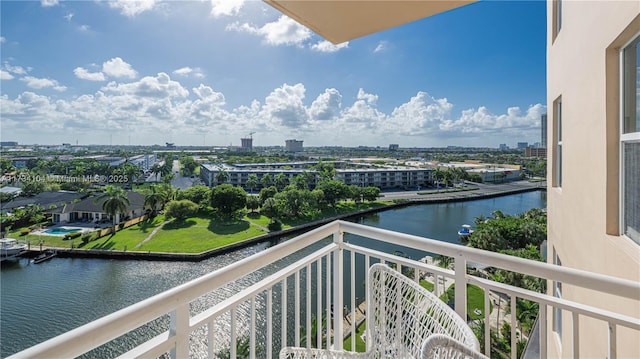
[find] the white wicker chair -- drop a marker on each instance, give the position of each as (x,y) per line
(443,347)
(401,315)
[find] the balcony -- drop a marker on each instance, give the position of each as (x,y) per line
(297,284)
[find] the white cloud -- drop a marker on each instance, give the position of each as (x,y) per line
(40,83)
(48,3)
(84,74)
(422,115)
(5,75)
(326,106)
(382,46)
(188,71)
(283,31)
(226,7)
(326,46)
(160,86)
(367,97)
(17,70)
(116,67)
(68,16)
(157,106)
(2,39)
(132,7)
(84,28)
(285,105)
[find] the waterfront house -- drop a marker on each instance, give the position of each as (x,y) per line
(88,210)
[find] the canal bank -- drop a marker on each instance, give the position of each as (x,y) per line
(402,199)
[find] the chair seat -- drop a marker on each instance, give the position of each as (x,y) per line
(401,315)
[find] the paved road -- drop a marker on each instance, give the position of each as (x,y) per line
(179,181)
(482,190)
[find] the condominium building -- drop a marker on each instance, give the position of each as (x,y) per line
(385,178)
(594,168)
(293,146)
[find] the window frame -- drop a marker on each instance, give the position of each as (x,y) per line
(557,18)
(629,137)
(556,180)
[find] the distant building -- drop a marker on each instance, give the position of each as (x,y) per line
(543,133)
(503,147)
(293,146)
(247,144)
(379,177)
(8,144)
(170,145)
(535,152)
(522,145)
(394,147)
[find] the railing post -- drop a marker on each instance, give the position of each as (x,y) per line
(338,282)
(461,285)
(179,330)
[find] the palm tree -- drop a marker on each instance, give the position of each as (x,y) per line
(252,182)
(156,169)
(222,176)
(438,174)
(155,198)
(266,180)
(115,202)
(280,181)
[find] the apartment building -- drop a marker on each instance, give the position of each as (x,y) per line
(384,178)
(594,161)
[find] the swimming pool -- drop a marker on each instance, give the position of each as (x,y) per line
(62,230)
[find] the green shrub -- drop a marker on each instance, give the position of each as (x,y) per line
(275,226)
(73,235)
(87,238)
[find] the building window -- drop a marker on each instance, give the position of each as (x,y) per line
(630,140)
(557,17)
(557,292)
(557,140)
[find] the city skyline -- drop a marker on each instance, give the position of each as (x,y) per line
(209,73)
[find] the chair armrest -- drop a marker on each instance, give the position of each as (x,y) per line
(444,347)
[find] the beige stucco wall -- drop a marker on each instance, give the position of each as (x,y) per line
(582,67)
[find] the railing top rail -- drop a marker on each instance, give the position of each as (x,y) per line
(91,335)
(599,282)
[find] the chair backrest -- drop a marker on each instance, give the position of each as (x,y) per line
(401,315)
(443,347)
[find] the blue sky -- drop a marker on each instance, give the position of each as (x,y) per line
(210,72)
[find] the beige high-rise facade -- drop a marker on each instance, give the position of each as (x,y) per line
(594,157)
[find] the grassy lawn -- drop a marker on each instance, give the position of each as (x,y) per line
(361,346)
(475,299)
(198,234)
(426,285)
(193,235)
(127,238)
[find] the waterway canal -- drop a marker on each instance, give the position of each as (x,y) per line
(41,301)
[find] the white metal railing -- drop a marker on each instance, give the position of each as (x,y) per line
(296,303)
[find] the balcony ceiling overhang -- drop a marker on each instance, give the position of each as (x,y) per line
(343,20)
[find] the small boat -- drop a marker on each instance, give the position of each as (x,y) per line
(10,248)
(465,231)
(45,256)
